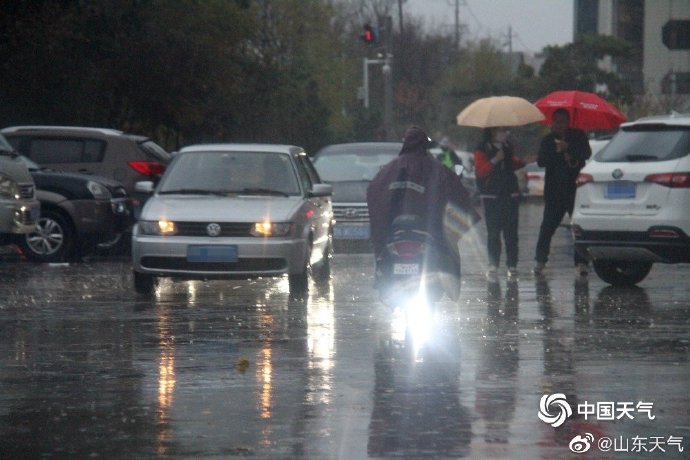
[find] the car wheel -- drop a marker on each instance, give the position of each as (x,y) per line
(53,239)
(621,273)
(299,282)
(144,283)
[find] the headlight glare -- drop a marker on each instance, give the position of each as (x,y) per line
(270,229)
(157,227)
(9,188)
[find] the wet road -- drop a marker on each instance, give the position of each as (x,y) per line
(222,369)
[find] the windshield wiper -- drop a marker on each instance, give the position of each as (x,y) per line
(262,191)
(640,157)
(192,191)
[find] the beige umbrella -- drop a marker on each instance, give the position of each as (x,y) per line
(489,112)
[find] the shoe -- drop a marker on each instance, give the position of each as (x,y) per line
(539,268)
(492,273)
(512,272)
(581,270)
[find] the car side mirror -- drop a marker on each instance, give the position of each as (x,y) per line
(459,169)
(145,186)
(321,190)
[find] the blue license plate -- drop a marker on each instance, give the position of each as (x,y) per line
(620,190)
(351,232)
(218,253)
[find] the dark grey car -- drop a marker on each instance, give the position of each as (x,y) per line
(349,168)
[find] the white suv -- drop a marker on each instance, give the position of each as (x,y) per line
(633,200)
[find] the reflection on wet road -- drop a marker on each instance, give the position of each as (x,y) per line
(222,369)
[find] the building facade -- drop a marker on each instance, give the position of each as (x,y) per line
(659,31)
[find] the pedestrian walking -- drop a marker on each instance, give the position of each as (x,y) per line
(563,153)
(495,162)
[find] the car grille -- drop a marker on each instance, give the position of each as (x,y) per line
(181,264)
(26,191)
(199,229)
(350,213)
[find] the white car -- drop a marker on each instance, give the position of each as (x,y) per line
(632,203)
(235,211)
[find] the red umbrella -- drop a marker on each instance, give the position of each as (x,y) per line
(587,110)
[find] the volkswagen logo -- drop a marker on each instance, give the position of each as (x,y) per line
(213,229)
(617,173)
(350,212)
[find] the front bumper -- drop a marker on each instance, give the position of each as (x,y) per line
(168,256)
(103,217)
(634,246)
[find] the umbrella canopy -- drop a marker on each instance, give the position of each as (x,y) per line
(587,110)
(489,112)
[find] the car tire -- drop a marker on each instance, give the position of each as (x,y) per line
(299,282)
(621,273)
(144,283)
(52,241)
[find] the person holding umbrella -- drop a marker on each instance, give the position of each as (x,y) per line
(495,164)
(562,153)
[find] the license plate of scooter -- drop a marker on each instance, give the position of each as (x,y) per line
(406,269)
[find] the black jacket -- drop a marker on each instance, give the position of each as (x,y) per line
(559,175)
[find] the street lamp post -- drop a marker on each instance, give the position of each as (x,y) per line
(387,70)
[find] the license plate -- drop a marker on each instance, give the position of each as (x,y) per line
(353,232)
(227,253)
(620,190)
(406,269)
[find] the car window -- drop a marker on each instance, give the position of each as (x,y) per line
(351,166)
(230,172)
(154,150)
(66,150)
(647,143)
(309,168)
(305,179)
(4,145)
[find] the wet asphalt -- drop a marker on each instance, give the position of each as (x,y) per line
(226,369)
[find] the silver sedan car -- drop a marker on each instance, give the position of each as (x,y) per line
(235,211)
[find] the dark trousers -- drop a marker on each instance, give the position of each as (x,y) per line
(501,216)
(554,210)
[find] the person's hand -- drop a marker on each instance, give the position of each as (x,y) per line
(561,145)
(500,155)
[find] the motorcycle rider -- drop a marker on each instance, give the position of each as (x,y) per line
(417,183)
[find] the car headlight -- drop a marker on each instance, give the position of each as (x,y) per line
(157,227)
(9,188)
(270,229)
(99,191)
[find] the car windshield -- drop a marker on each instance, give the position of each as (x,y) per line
(155,150)
(5,147)
(652,142)
(208,173)
(351,166)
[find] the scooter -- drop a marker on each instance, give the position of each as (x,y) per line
(413,265)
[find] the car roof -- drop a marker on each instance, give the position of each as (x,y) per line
(231,147)
(674,119)
(75,129)
(361,147)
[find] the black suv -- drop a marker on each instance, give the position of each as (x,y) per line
(79,213)
(123,157)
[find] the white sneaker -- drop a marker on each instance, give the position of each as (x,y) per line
(539,268)
(581,270)
(512,272)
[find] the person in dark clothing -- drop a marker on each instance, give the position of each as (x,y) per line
(428,189)
(562,153)
(494,165)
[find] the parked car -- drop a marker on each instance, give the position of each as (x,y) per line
(78,213)
(123,157)
(631,208)
(349,168)
(235,211)
(599,143)
(534,180)
(19,208)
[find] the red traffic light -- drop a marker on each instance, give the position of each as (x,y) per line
(369,36)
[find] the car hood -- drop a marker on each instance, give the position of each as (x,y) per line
(220,208)
(350,191)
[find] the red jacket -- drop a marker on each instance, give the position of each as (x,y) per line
(496,179)
(428,187)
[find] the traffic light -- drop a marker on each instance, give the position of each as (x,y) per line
(369,35)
